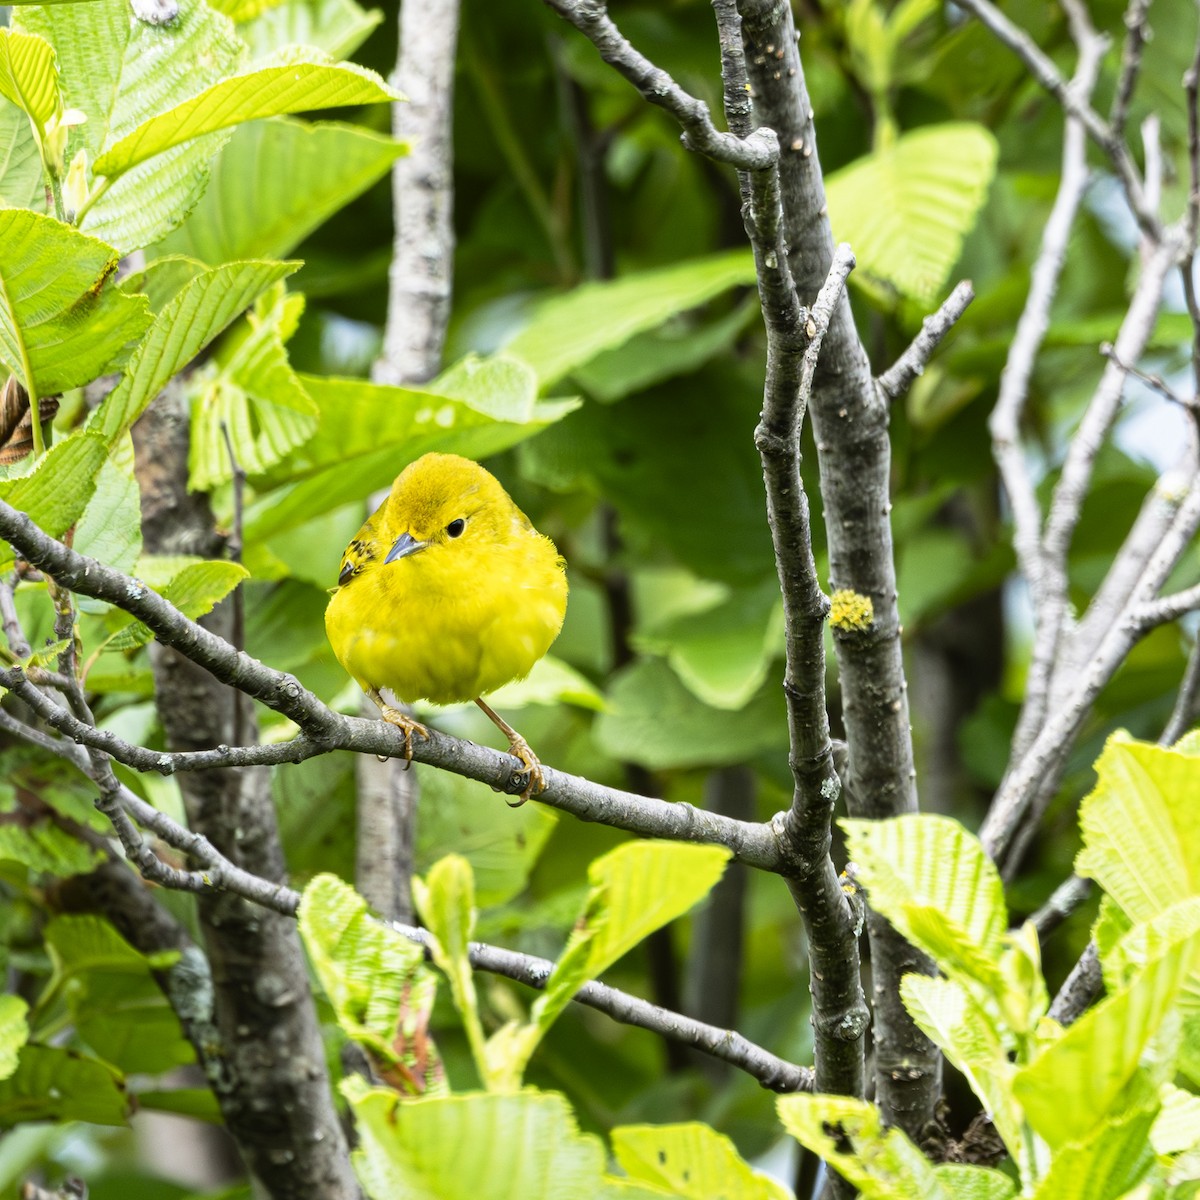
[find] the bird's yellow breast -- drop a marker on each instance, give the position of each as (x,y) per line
(457,620)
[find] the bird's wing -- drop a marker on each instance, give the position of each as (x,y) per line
(364,549)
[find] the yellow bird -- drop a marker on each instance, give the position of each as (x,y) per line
(445,594)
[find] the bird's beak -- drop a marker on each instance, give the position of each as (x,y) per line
(404,545)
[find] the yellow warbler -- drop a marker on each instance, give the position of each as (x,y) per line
(445,594)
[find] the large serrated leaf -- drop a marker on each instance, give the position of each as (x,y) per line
(120,72)
(110,528)
(691,1160)
(376,979)
(568,331)
(1141,827)
(367,433)
(27,75)
(22,180)
(14,1032)
(195,590)
(302,174)
(51,1084)
(475,1146)
(1106,1165)
(267,92)
(905,209)
(45,848)
(849,1135)
(931,879)
(58,489)
(970,1038)
(62,319)
(188,322)
(1097,1056)
(337,27)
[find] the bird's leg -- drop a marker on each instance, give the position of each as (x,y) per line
(402,721)
(520,747)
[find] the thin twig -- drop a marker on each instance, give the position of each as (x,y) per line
(1187,702)
(1152,381)
(1136,35)
(898,378)
(1081,989)
(1069,896)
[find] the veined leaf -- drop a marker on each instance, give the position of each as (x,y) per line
(62,319)
(367,433)
(50,1084)
(446,901)
(1111,1161)
(691,1160)
(337,27)
(1177,1126)
(22,178)
(14,1032)
(45,848)
(120,72)
(376,980)
(970,1038)
(27,75)
(195,590)
(849,1135)
(474,1146)
(1141,829)
(195,316)
(931,879)
(110,528)
(906,209)
(568,331)
(1097,1056)
(266,92)
(58,489)
(965,1182)
(302,174)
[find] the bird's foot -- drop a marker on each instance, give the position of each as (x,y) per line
(537,779)
(407,726)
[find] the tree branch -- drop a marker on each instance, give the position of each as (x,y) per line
(899,377)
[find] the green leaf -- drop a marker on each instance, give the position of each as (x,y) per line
(120,72)
(849,1135)
(652,719)
(195,316)
(964,1182)
(266,92)
(58,489)
(28,76)
(45,848)
(376,979)
(367,433)
(570,330)
(676,348)
(1177,1126)
(196,590)
(970,1038)
(906,209)
(337,27)
(162,280)
(303,173)
(62,320)
(691,1160)
(199,1103)
(22,177)
(446,902)
(931,879)
(110,528)
(723,655)
(251,392)
(117,1007)
(500,843)
(14,1032)
(1141,829)
(475,1146)
(551,681)
(50,1084)
(1106,1165)
(1096,1057)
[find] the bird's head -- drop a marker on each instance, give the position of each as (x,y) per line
(442,499)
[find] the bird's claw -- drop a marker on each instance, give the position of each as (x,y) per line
(537,778)
(406,725)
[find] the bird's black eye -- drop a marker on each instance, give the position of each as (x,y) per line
(455,528)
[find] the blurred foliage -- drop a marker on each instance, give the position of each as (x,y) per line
(619,414)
